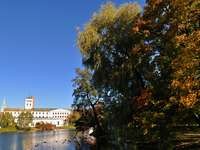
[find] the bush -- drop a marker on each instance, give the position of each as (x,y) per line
(44,126)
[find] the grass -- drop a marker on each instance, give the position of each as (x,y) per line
(8,129)
(14,129)
(67,127)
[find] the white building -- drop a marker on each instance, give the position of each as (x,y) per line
(55,116)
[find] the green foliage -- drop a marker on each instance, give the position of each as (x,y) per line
(73,117)
(24,120)
(87,101)
(6,120)
(85,94)
(8,129)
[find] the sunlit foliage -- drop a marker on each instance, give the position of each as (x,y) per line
(6,120)
(144,67)
(24,120)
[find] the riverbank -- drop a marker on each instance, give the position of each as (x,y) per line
(58,139)
(14,129)
(9,129)
(67,127)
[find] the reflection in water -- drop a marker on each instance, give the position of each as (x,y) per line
(53,140)
(14,145)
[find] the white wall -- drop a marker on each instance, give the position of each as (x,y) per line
(56,117)
(29,103)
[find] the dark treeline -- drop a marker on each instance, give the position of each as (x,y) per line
(141,76)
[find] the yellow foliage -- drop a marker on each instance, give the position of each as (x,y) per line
(189,100)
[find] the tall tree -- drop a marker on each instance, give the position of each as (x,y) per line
(106,45)
(146,64)
(169,29)
(6,120)
(24,120)
(87,98)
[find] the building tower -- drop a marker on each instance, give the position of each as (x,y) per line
(4,105)
(29,102)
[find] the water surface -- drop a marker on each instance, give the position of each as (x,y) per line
(51,140)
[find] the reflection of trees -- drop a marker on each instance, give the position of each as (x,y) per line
(14,145)
(28,141)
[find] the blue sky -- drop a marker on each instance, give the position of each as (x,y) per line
(38,53)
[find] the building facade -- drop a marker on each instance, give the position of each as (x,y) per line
(55,116)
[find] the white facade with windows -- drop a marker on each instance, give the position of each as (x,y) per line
(29,102)
(55,116)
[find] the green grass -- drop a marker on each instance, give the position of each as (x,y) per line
(8,129)
(14,129)
(67,127)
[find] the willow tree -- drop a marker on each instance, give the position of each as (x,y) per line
(106,45)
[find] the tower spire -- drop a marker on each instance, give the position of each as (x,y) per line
(4,104)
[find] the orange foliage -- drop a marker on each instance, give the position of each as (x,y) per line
(143,99)
(189,100)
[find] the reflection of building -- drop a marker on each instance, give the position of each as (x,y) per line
(55,116)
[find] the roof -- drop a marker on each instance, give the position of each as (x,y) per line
(30,97)
(14,109)
(60,110)
(44,109)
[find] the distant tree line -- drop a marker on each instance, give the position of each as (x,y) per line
(141,75)
(24,120)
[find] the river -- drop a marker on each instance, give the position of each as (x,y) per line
(51,140)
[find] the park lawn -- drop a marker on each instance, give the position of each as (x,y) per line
(67,127)
(8,129)
(14,129)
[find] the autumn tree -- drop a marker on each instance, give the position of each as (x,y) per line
(170,34)
(147,65)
